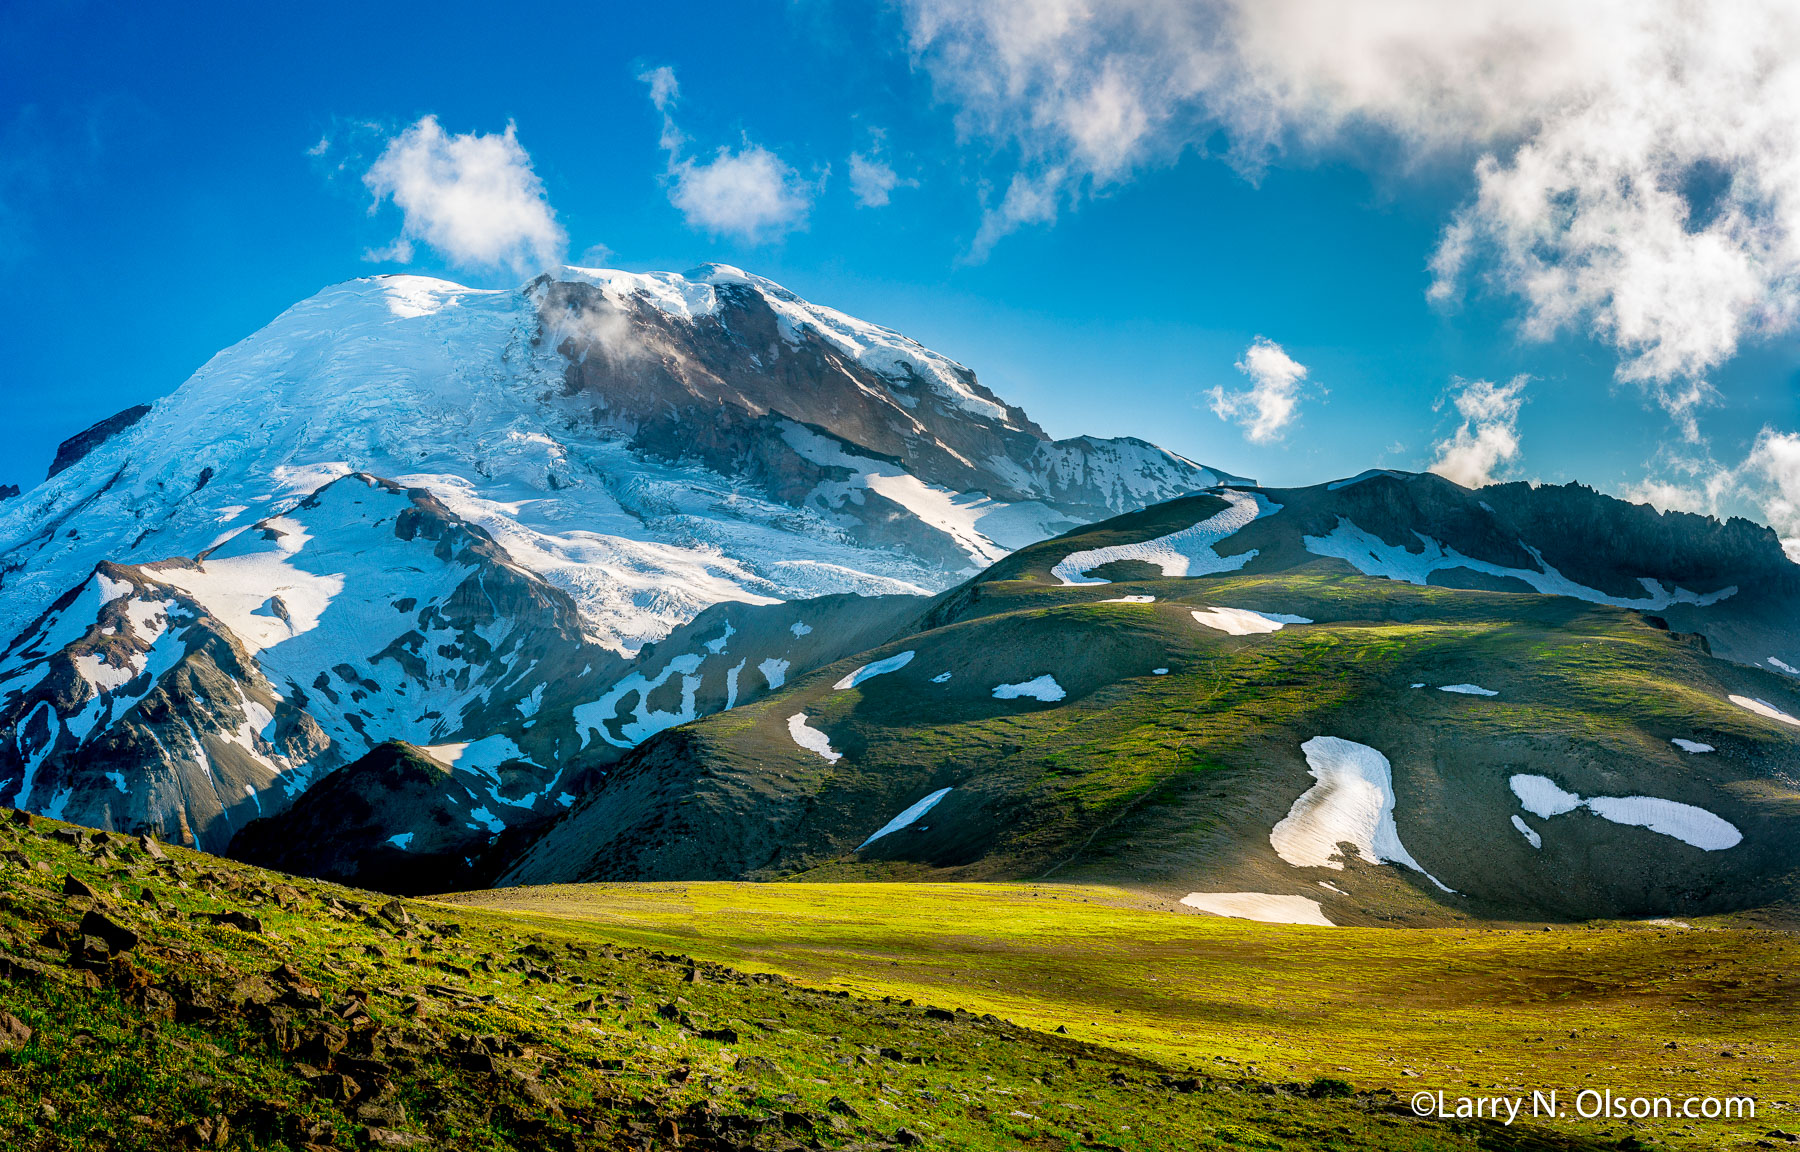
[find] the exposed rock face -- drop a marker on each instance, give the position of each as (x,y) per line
(73,450)
(8,491)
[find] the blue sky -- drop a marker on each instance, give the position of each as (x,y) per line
(1183,189)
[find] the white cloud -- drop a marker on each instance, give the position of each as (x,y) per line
(871,179)
(750,193)
(1488,436)
(1272,401)
(1636,163)
(1774,469)
(474,198)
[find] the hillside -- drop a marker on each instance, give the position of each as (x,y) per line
(1497,736)
(153,998)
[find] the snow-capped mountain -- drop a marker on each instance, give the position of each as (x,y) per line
(469,520)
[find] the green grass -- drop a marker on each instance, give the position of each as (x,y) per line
(471,1028)
(1503,1010)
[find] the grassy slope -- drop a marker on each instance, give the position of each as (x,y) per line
(1159,782)
(474,1029)
(1511,1010)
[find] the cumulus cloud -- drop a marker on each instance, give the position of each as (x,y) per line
(748,192)
(1272,401)
(1635,163)
(1773,467)
(1488,436)
(473,197)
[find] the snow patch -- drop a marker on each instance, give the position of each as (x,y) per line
(592,717)
(1244,622)
(880,667)
(1783,665)
(1763,708)
(1468,690)
(1353,801)
(118,781)
(1526,831)
(774,672)
(907,817)
(1690,745)
(799,629)
(1188,552)
(811,738)
(1372,556)
(941,678)
(402,841)
(1260,906)
(1043,688)
(1159,671)
(1542,796)
(1128,600)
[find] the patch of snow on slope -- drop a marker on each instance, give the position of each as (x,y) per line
(880,667)
(811,739)
(907,817)
(1783,665)
(799,629)
(941,678)
(483,755)
(103,676)
(774,672)
(118,781)
(402,841)
(592,717)
(1684,822)
(1129,600)
(1189,552)
(1245,622)
(1542,796)
(731,683)
(1763,708)
(1260,906)
(1043,688)
(1372,556)
(1690,745)
(1526,831)
(1353,801)
(955,514)
(1468,690)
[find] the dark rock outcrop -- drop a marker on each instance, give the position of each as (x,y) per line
(71,451)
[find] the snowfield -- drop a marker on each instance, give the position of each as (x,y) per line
(1044,688)
(878,668)
(1468,690)
(1353,801)
(1188,552)
(1243,621)
(1128,600)
(1542,796)
(1765,709)
(1526,831)
(1373,556)
(1690,745)
(1260,906)
(812,739)
(906,818)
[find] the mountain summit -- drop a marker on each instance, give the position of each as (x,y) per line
(407,510)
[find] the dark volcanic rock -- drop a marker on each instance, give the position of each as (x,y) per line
(71,451)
